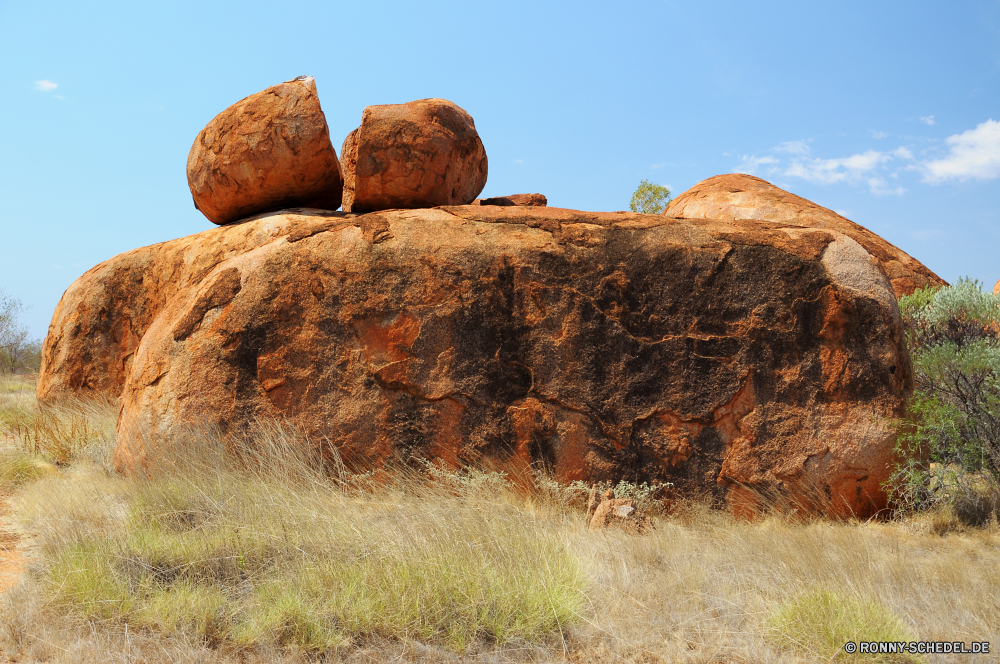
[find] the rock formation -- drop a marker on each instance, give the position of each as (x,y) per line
(618,513)
(996,288)
(536,200)
(419,154)
(268,152)
(102,316)
(729,358)
(739,196)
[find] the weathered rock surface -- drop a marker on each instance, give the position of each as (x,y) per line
(420,154)
(724,357)
(536,200)
(267,152)
(996,288)
(102,316)
(739,196)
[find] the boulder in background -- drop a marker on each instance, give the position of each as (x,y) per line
(741,196)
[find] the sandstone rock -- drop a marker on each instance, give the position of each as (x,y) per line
(739,196)
(723,357)
(103,315)
(996,288)
(420,154)
(536,200)
(620,513)
(270,151)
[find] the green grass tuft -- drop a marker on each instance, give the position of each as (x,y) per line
(238,558)
(820,622)
(17,468)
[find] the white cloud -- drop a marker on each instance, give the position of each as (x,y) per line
(751,164)
(794,147)
(655,166)
(880,187)
(832,171)
(974,154)
(902,153)
(929,120)
(878,134)
(46,86)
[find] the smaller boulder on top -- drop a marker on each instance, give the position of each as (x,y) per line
(269,151)
(531,200)
(420,154)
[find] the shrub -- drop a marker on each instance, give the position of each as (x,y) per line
(950,441)
(650,198)
(17,467)
(820,622)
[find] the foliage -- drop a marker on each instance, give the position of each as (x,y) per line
(17,350)
(650,198)
(820,622)
(951,440)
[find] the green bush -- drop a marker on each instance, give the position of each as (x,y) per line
(650,198)
(950,441)
(820,622)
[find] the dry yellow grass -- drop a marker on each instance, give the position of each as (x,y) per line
(465,568)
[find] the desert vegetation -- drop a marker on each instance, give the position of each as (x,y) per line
(280,553)
(18,351)
(951,439)
(649,198)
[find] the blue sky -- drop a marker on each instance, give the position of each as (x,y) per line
(887,112)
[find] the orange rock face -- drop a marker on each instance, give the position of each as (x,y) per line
(267,152)
(739,196)
(420,154)
(996,288)
(729,358)
(102,316)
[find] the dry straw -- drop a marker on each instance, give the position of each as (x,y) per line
(263,547)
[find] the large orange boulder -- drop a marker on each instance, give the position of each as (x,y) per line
(996,288)
(420,154)
(731,358)
(740,196)
(267,152)
(102,316)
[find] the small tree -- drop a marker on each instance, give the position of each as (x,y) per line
(951,440)
(17,350)
(650,198)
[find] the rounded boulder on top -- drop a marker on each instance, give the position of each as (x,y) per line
(741,196)
(421,154)
(267,152)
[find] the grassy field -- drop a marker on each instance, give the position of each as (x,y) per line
(276,557)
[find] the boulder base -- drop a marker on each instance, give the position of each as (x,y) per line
(267,152)
(725,357)
(740,196)
(420,154)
